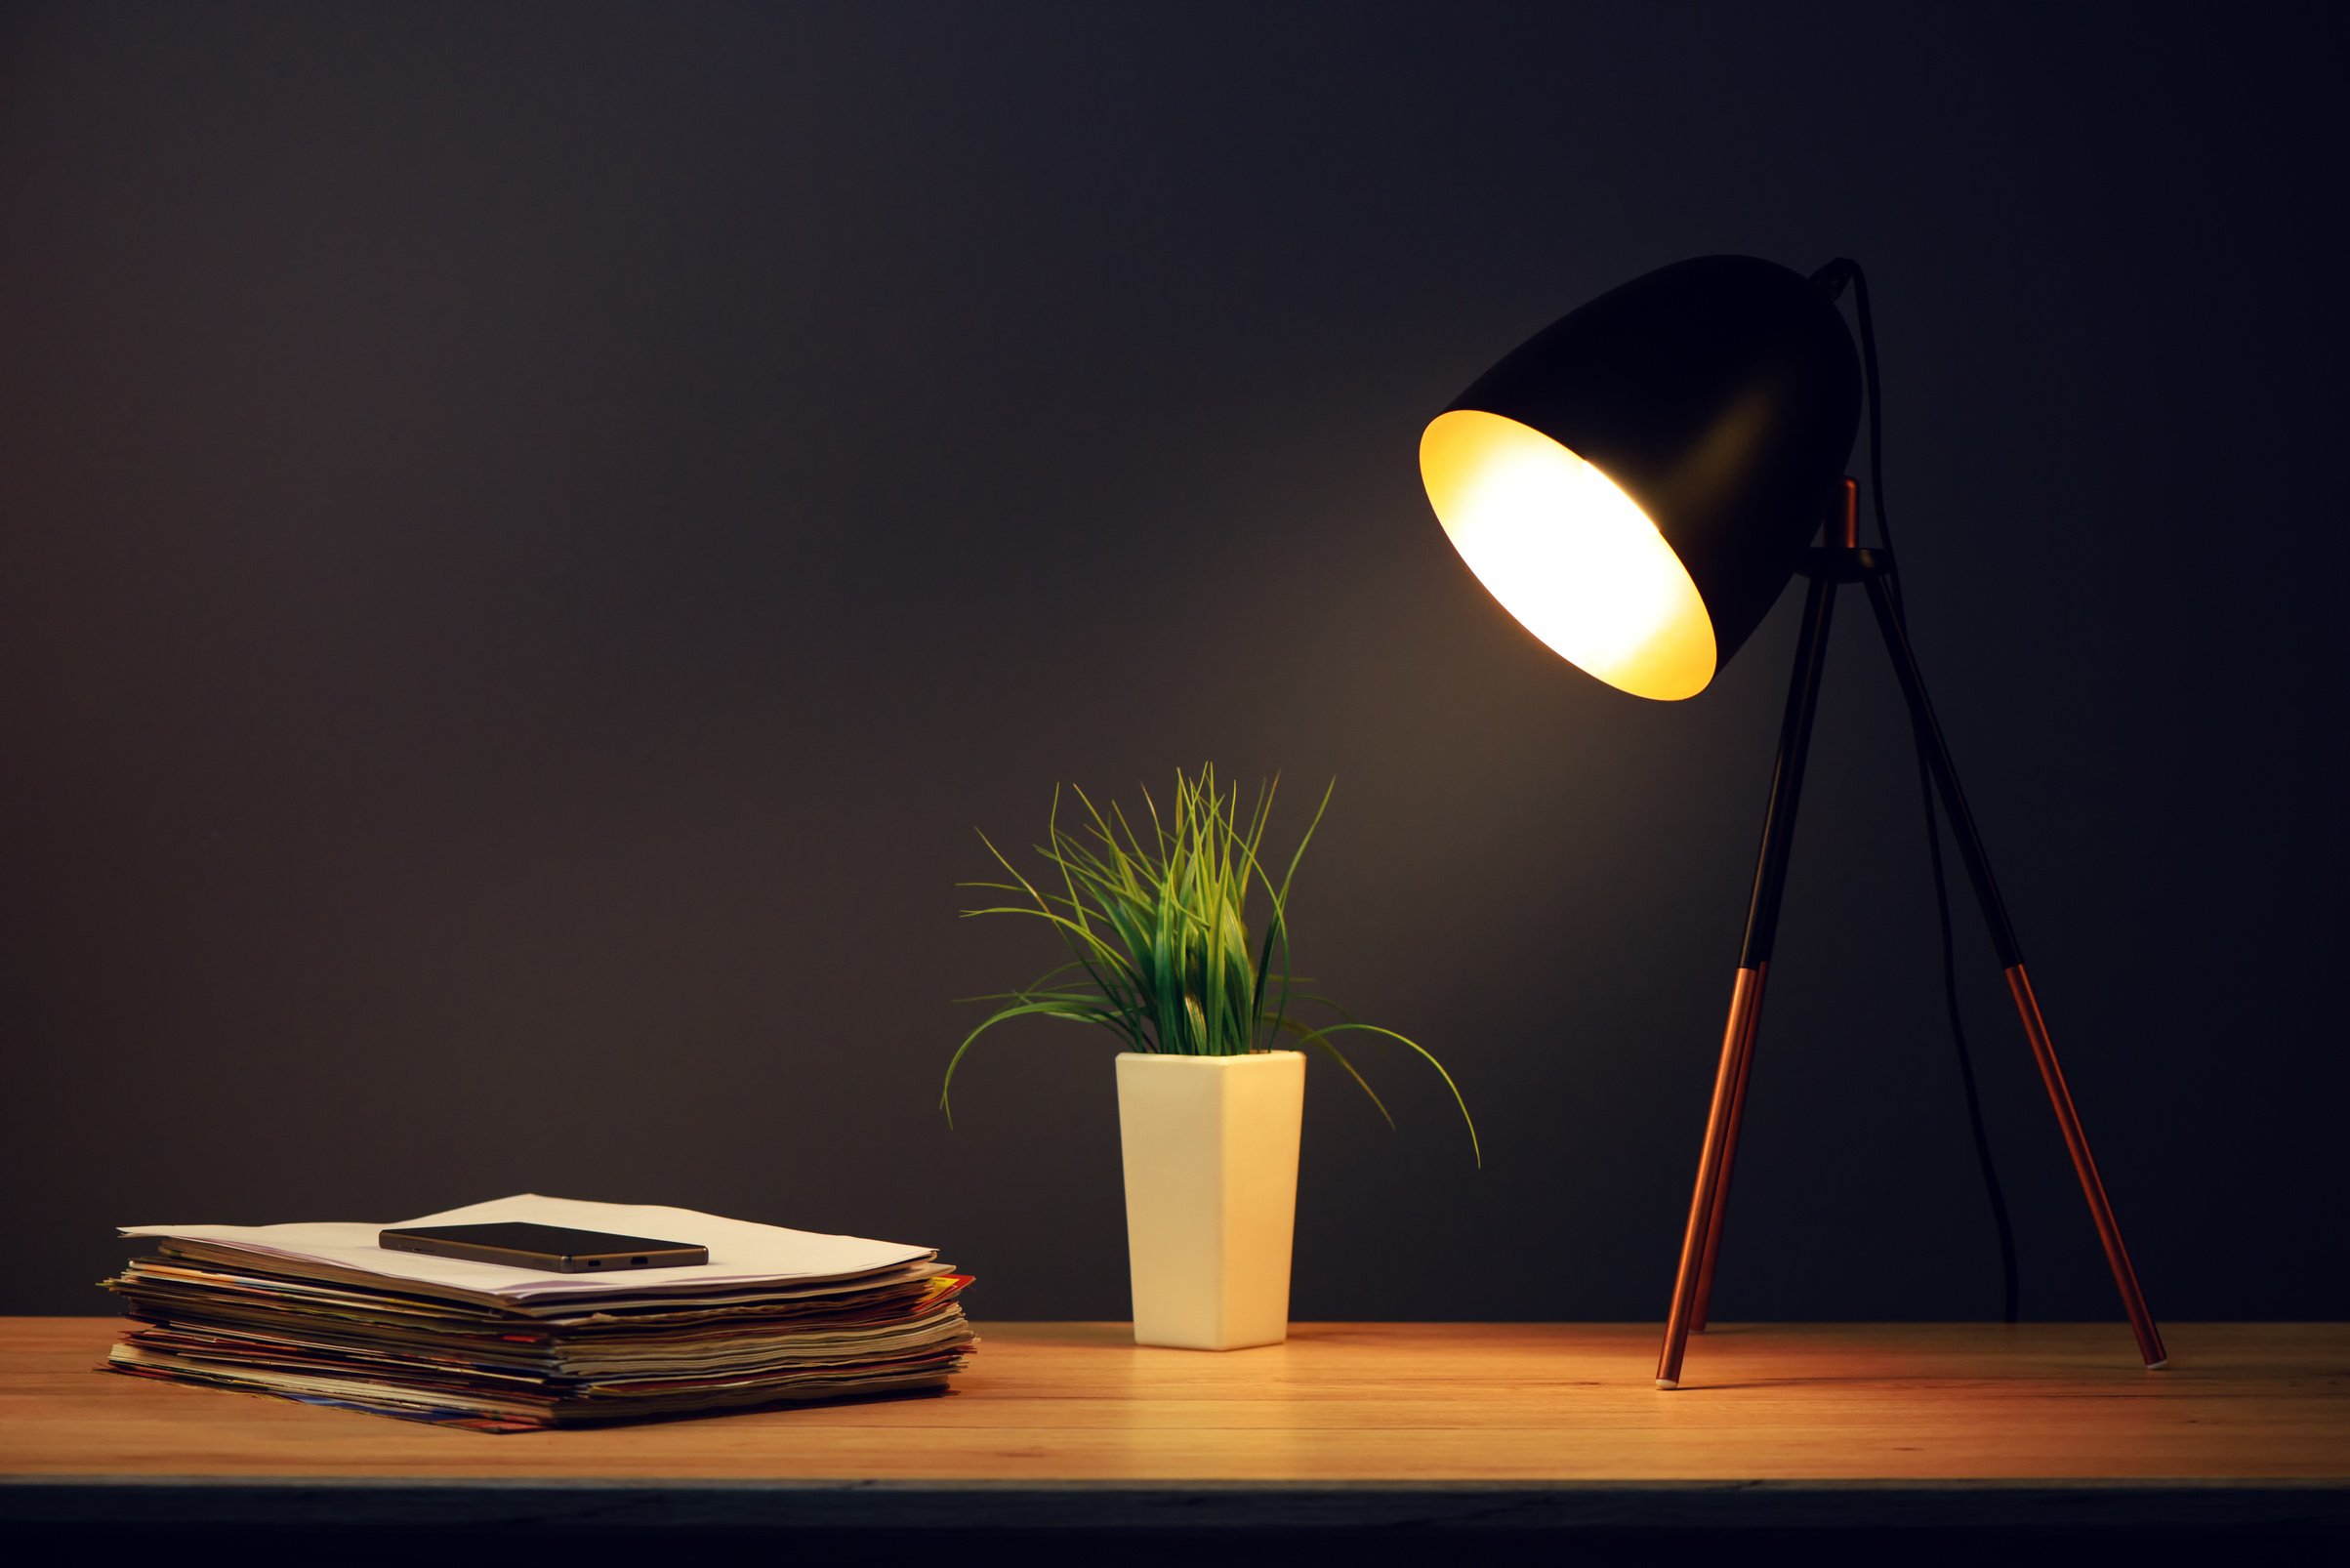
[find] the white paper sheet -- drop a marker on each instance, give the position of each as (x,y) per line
(741,1253)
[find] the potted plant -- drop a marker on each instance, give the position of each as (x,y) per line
(1155,919)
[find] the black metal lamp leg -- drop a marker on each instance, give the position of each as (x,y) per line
(2012,959)
(1693,1284)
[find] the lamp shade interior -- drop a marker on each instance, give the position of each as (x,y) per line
(1636,483)
(1569,554)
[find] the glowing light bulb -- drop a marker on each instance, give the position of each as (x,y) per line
(1567,553)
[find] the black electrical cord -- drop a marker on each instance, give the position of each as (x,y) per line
(1834,277)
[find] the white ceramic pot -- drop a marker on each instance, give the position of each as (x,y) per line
(1211,1146)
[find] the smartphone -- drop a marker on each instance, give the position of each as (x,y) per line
(547,1249)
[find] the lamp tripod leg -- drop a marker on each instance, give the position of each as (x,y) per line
(2019,983)
(1702,1240)
(1712,1166)
(1746,1018)
(2085,1166)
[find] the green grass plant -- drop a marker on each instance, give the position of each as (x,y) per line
(1156,923)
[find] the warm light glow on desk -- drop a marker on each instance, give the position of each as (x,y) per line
(1567,553)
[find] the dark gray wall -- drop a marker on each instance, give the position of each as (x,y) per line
(534,535)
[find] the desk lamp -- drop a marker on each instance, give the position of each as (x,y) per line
(1637,484)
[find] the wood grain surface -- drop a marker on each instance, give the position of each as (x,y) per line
(1393,1411)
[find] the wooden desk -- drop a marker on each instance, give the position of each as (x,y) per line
(1527,1427)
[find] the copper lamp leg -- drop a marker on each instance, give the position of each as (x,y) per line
(1746,1024)
(2085,1166)
(1712,1164)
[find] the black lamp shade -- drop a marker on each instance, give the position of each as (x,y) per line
(1637,482)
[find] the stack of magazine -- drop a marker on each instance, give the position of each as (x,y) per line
(321,1314)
